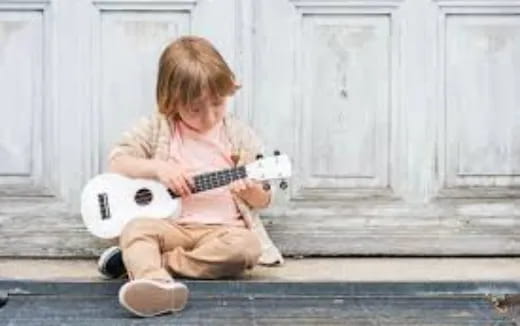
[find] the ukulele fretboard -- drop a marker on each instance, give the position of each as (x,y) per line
(217,179)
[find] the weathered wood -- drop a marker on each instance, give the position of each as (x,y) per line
(442,227)
(474,227)
(21,66)
(400,116)
(44,227)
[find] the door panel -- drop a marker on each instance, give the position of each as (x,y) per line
(343,124)
(483,116)
(20,90)
(131,43)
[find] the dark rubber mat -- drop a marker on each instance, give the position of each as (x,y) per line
(252,303)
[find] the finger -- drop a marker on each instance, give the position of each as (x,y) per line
(235,186)
(248,183)
(182,189)
(184,185)
(232,186)
(171,185)
(188,180)
(184,173)
(178,188)
(241,185)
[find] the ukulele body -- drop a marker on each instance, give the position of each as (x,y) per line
(110,200)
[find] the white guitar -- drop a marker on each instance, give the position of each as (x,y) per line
(110,200)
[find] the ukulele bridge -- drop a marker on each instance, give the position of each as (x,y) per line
(104,208)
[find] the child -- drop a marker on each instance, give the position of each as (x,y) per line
(218,233)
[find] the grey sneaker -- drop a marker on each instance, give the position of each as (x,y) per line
(147,298)
(110,263)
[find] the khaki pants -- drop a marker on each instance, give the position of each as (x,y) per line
(160,249)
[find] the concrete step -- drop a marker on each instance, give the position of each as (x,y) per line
(267,303)
(312,291)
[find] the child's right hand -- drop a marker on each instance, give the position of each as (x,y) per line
(175,177)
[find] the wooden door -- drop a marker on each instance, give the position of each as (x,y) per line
(403,121)
(401,116)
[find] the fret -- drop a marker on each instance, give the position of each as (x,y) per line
(221,175)
(229,175)
(218,179)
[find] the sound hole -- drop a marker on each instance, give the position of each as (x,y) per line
(143,197)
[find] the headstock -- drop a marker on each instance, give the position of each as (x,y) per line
(270,168)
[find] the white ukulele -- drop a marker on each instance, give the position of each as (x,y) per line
(110,200)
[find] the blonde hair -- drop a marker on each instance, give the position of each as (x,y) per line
(188,68)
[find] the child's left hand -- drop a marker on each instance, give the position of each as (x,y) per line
(250,191)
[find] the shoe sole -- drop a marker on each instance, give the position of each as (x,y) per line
(147,298)
(103,258)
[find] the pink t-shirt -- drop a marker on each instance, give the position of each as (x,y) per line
(202,153)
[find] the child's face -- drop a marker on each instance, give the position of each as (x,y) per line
(204,113)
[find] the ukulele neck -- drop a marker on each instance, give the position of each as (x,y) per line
(218,179)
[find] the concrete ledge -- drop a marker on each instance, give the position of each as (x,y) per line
(305,270)
(225,303)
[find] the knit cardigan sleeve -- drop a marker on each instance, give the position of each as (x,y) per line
(249,145)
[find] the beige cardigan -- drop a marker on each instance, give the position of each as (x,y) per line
(151,137)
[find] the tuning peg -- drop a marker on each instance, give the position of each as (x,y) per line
(266,186)
(276,152)
(259,156)
(283,185)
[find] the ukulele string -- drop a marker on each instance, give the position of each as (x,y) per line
(206,181)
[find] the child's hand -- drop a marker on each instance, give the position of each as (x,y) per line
(174,176)
(250,191)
